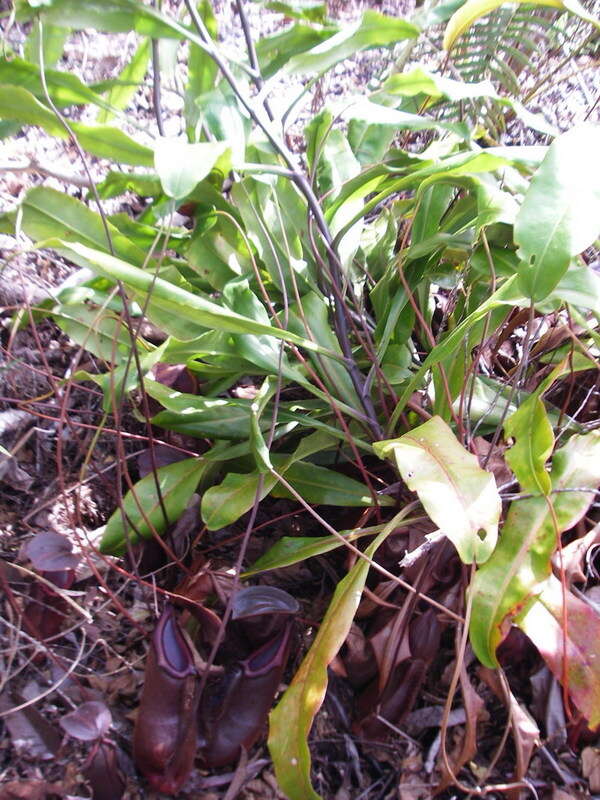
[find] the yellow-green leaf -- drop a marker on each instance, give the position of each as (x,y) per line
(472,10)
(459,496)
(291,721)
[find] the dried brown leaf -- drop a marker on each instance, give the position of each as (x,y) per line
(590,766)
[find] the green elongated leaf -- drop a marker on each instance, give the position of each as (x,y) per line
(230,419)
(220,115)
(96,330)
(263,351)
(19,104)
(128,82)
(177,483)
(492,401)
(472,10)
(259,447)
(117,183)
(322,486)
(293,549)
(217,251)
(111,16)
(531,428)
(200,416)
(459,496)
(385,184)
(173,299)
(64,89)
(521,561)
(527,458)
(181,165)
(274,215)
(334,375)
(291,721)
(373,30)
(53,43)
(560,214)
(225,503)
(111,143)
(580,286)
(369,143)
(362,109)
(507,294)
(47,213)
(420,80)
(543,623)
(433,204)
(275,51)
(312,10)
(16,103)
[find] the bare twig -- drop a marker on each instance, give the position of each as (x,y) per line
(34,167)
(156,99)
(252,57)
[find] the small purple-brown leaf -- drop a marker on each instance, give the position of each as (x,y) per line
(50,552)
(161,455)
(88,722)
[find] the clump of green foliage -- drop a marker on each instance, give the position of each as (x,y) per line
(362,281)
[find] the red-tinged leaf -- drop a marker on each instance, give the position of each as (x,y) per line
(50,552)
(164,743)
(291,721)
(88,722)
(176,376)
(242,714)
(45,613)
(522,559)
(580,641)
